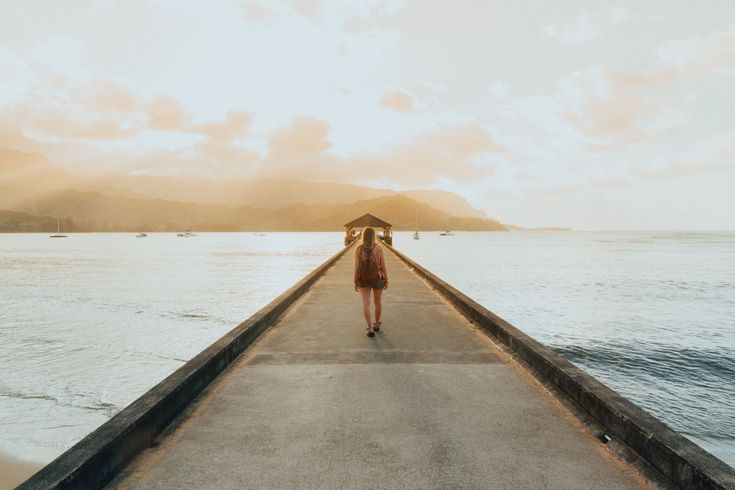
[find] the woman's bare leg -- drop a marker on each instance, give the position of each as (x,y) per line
(377,295)
(365,293)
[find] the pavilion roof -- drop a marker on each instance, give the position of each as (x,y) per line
(368,220)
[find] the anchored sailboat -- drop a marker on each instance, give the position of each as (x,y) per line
(416,233)
(58,230)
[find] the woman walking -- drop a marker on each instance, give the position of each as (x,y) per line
(370,276)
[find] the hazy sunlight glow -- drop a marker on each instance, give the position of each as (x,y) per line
(594,115)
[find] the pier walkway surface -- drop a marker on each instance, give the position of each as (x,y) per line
(430,402)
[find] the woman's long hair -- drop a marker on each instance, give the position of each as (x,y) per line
(368,237)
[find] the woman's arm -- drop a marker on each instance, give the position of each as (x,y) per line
(357,266)
(383,268)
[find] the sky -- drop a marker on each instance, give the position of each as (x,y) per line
(585,114)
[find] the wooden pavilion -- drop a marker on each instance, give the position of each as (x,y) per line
(351,232)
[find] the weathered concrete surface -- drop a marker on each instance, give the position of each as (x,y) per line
(428,403)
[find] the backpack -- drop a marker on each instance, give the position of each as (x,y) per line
(368,271)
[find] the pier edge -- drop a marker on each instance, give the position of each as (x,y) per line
(677,458)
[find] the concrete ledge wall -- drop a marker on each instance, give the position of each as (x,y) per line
(679,459)
(93,461)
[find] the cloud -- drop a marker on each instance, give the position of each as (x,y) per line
(303,150)
(717,158)
(258,11)
(399,101)
(683,169)
(612,108)
(222,146)
(450,153)
(15,75)
(305,139)
(101,121)
(582,30)
(235,125)
(107,122)
(623,106)
(585,27)
(57,120)
(306,8)
(498,89)
(167,114)
(254,12)
(697,56)
(106,96)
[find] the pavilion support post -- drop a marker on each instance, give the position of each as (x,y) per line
(350,235)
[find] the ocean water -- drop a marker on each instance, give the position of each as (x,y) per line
(91,322)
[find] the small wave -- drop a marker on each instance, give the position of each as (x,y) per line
(690,388)
(692,235)
(25,396)
(38,341)
(194,315)
(661,361)
(187,315)
(109,408)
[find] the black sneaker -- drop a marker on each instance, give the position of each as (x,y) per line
(376,326)
(371,333)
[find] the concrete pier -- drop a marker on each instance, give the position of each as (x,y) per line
(430,402)
(448,395)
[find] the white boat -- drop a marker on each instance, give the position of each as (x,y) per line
(141,235)
(416,233)
(186,233)
(58,230)
(446,233)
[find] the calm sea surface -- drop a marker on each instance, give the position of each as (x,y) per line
(89,323)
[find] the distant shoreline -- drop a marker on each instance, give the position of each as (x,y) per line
(195,230)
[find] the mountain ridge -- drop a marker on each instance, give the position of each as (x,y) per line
(31,184)
(92,211)
(26,175)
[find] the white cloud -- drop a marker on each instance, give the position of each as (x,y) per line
(580,31)
(498,89)
(585,27)
(399,101)
(16,76)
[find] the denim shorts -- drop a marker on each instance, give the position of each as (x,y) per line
(377,284)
